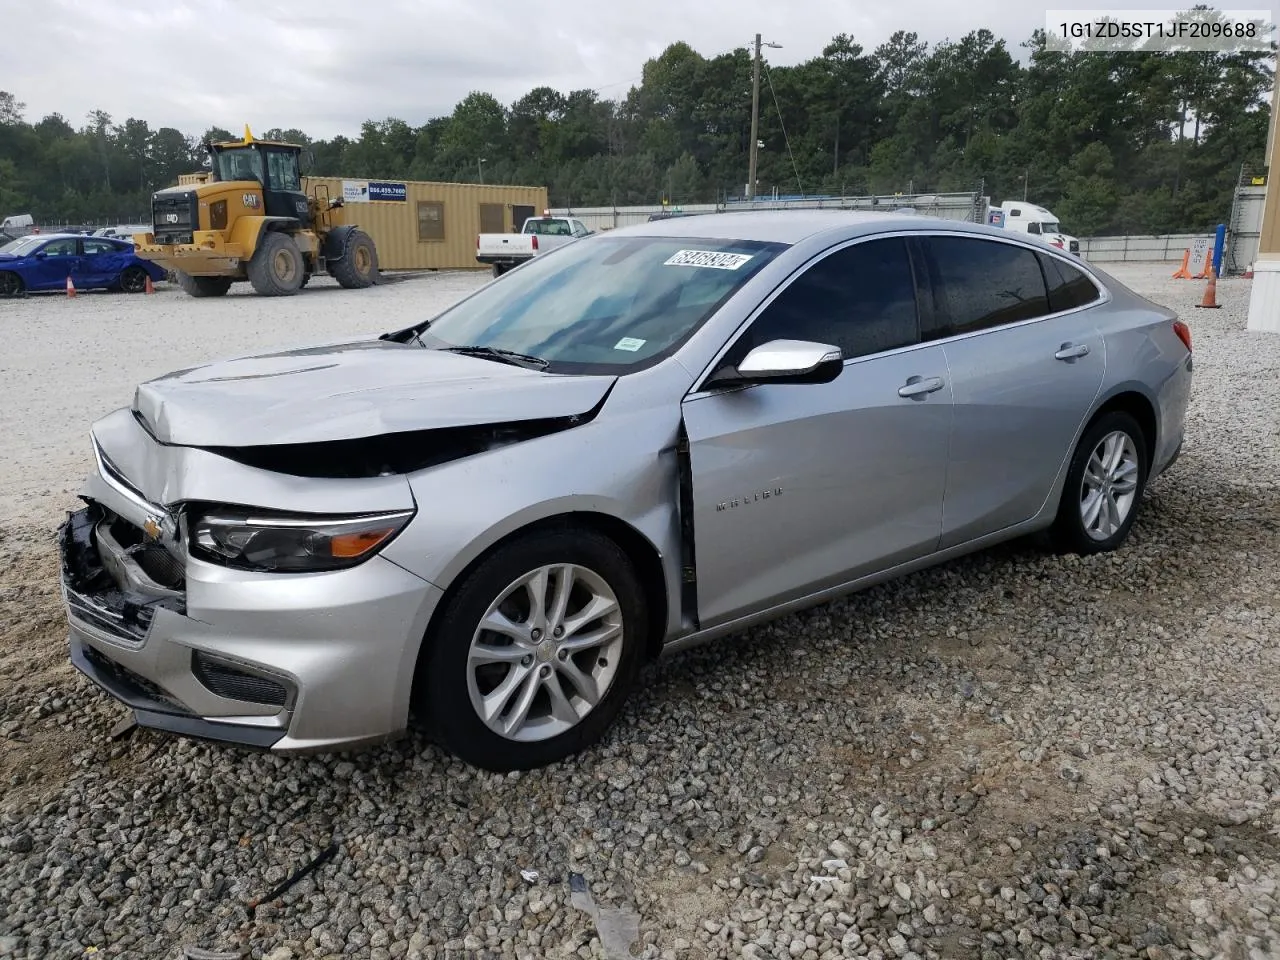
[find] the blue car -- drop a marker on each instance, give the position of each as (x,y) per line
(44,261)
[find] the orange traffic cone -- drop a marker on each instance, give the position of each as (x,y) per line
(1210,300)
(150,287)
(71,287)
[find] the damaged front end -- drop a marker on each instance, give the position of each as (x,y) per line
(114,576)
(397,453)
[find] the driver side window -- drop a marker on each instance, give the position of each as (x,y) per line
(861,299)
(61,248)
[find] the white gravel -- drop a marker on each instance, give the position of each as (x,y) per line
(1013,755)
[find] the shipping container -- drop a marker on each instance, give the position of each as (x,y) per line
(419,225)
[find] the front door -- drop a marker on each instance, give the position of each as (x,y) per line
(798,487)
(55,261)
(1024,373)
(282,195)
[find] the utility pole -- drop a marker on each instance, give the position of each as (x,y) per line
(755,120)
(755,114)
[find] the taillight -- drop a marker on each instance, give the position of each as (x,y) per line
(1183,332)
(534,237)
(477,241)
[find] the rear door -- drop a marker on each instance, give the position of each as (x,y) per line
(797,487)
(103,262)
(1026,360)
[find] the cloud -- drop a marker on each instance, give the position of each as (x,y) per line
(325,66)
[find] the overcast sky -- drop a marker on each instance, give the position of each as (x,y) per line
(324,66)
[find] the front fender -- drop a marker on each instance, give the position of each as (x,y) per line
(247,232)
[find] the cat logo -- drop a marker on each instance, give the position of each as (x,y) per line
(250,200)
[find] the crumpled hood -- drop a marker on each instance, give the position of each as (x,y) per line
(350,391)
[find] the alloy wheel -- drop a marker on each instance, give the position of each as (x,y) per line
(1109,485)
(545,653)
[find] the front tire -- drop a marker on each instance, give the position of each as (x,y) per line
(358,267)
(276,269)
(11,284)
(535,653)
(203,286)
(1104,486)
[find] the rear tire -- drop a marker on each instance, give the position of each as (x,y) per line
(134,280)
(11,284)
(555,681)
(499,270)
(203,286)
(358,267)
(1103,490)
(276,269)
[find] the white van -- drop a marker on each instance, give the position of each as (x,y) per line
(16,226)
(1037,221)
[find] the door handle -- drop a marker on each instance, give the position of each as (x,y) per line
(1072,351)
(917,388)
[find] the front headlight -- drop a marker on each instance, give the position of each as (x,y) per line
(290,543)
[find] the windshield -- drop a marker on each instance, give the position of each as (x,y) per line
(240,163)
(1051,226)
(603,304)
(22,246)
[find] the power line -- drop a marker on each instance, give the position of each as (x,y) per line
(768,75)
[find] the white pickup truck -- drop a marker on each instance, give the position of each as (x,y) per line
(540,234)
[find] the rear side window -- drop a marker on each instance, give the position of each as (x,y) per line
(1068,287)
(861,299)
(979,284)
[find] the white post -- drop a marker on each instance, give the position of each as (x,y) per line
(1264,298)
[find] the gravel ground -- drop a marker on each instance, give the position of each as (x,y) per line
(1013,755)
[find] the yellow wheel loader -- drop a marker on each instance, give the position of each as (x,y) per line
(249,219)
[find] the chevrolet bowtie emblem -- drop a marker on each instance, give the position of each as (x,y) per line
(151,527)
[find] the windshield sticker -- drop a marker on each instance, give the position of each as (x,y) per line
(708,258)
(629,343)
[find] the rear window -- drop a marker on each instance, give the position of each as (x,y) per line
(604,304)
(548,228)
(1068,287)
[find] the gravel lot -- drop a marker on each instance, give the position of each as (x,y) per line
(1011,755)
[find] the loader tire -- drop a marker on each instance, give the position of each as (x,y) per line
(276,269)
(203,286)
(358,267)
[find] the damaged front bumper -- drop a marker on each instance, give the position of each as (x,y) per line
(289,662)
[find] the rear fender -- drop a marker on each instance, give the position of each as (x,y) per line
(336,240)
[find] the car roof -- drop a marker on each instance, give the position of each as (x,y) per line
(794,226)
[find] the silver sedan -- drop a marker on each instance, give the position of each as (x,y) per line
(644,440)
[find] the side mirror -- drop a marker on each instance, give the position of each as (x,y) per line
(784,361)
(41,255)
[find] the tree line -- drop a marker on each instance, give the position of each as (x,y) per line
(1113,141)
